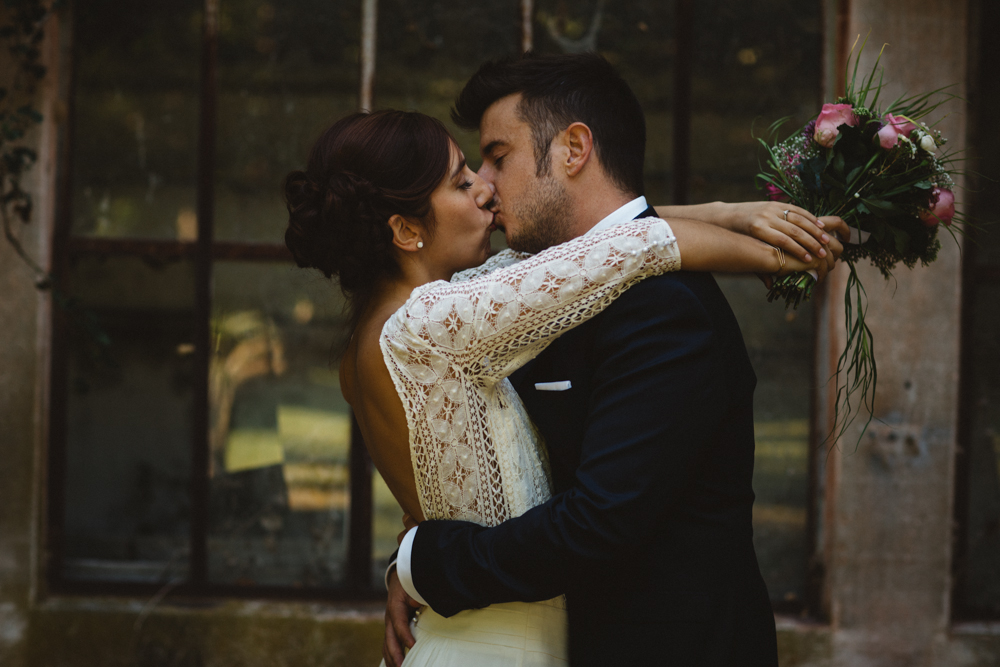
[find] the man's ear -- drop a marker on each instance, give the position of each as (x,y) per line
(407,235)
(578,142)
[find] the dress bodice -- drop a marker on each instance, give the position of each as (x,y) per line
(451,346)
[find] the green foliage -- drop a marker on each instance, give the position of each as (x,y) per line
(22,36)
(883,192)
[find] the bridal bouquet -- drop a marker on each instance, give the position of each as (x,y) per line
(883,171)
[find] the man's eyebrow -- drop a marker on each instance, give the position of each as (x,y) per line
(490,147)
(458,170)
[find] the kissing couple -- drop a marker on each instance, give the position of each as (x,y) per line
(568,423)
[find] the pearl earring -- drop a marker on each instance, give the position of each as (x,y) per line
(420,244)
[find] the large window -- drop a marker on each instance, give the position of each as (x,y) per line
(200,440)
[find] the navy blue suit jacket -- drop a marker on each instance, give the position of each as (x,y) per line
(649,534)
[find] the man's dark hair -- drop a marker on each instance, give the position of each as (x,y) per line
(558,90)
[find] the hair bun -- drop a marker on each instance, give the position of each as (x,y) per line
(362,170)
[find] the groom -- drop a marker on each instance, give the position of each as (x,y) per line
(650,431)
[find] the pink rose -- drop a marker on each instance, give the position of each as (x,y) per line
(942,208)
(830,119)
(774,193)
(895,127)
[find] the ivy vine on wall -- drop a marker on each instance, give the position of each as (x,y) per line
(21,34)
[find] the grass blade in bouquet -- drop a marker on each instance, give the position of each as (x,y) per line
(883,172)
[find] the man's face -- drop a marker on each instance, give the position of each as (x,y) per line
(533,211)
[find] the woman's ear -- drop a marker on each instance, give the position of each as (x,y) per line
(406,234)
(579,144)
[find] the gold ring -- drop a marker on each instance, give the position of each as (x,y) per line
(781,258)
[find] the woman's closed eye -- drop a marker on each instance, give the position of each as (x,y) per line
(466,185)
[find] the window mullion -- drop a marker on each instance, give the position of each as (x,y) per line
(203,298)
(683,68)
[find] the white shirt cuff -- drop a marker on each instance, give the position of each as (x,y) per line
(403,565)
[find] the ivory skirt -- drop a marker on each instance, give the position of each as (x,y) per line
(512,634)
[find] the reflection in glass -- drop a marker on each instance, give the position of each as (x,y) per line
(637,37)
(286,71)
(136,118)
(743,81)
(781,347)
(982,576)
(129,421)
(279,429)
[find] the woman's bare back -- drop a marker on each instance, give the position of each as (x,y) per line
(368,387)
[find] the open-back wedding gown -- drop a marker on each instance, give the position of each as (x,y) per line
(475,453)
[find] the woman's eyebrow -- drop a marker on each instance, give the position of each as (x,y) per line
(461,166)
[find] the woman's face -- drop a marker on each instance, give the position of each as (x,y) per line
(463,221)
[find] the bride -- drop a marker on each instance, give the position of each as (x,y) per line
(388,205)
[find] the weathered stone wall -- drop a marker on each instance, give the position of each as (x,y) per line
(23,312)
(889,526)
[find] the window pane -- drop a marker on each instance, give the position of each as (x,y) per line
(743,81)
(637,37)
(280,429)
(982,576)
(129,421)
(427,50)
(286,71)
(781,347)
(136,118)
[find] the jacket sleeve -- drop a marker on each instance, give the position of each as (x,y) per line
(654,392)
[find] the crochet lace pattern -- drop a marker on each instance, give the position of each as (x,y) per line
(449,349)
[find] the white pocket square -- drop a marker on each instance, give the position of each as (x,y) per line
(553,386)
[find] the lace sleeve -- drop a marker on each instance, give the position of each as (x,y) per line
(501,260)
(493,324)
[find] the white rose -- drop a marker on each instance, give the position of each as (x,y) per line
(927,143)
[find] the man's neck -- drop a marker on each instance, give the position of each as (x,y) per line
(594,200)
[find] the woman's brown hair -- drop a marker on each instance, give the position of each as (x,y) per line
(362,170)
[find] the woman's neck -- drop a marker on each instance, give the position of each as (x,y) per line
(416,270)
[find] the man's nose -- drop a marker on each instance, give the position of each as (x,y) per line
(486,172)
(486,193)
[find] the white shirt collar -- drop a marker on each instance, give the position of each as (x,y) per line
(620,215)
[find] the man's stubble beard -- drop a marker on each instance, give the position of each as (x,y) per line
(544,215)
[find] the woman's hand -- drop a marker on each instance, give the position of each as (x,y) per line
(798,232)
(819,265)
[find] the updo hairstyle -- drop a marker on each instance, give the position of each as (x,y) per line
(364,169)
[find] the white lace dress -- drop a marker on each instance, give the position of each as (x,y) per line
(476,455)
